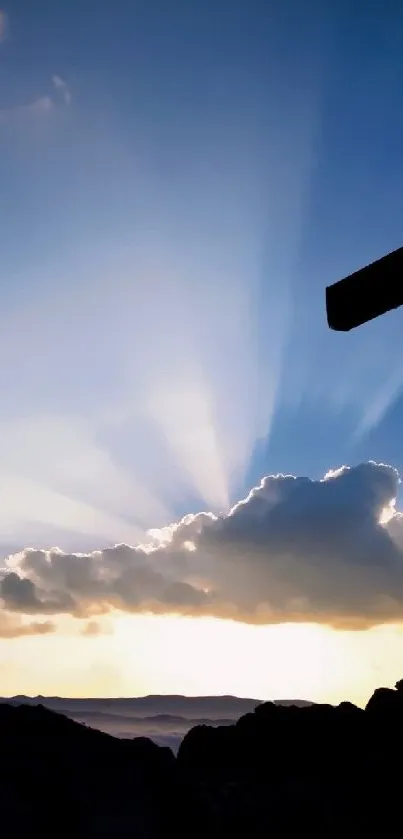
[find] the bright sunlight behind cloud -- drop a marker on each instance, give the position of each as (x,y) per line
(293,550)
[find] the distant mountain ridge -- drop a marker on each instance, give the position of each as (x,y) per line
(149,699)
(165,718)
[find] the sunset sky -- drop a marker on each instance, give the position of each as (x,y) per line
(199,481)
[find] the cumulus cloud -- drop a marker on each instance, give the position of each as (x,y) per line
(295,549)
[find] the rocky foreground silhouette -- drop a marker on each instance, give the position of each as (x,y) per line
(279,771)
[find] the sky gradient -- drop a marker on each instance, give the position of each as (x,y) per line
(179,183)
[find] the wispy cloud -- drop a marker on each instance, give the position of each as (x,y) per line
(37,108)
(41,105)
(62,87)
(3,25)
(12,626)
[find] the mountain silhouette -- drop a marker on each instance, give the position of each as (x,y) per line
(277,771)
(165,719)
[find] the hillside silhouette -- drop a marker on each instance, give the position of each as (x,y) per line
(164,719)
(278,771)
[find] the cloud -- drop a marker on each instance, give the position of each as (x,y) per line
(62,87)
(13,627)
(39,107)
(94,628)
(4,27)
(328,551)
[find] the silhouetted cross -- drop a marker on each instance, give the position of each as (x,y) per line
(366,294)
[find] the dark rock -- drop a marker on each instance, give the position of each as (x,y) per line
(280,770)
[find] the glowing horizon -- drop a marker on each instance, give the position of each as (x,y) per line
(304,662)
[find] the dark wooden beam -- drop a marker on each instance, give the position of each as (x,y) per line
(368,293)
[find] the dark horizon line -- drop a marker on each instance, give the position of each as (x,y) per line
(150,696)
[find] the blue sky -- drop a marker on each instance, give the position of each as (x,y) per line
(179,182)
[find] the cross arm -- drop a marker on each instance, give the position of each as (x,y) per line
(366,294)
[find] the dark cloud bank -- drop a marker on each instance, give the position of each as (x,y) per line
(294,549)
